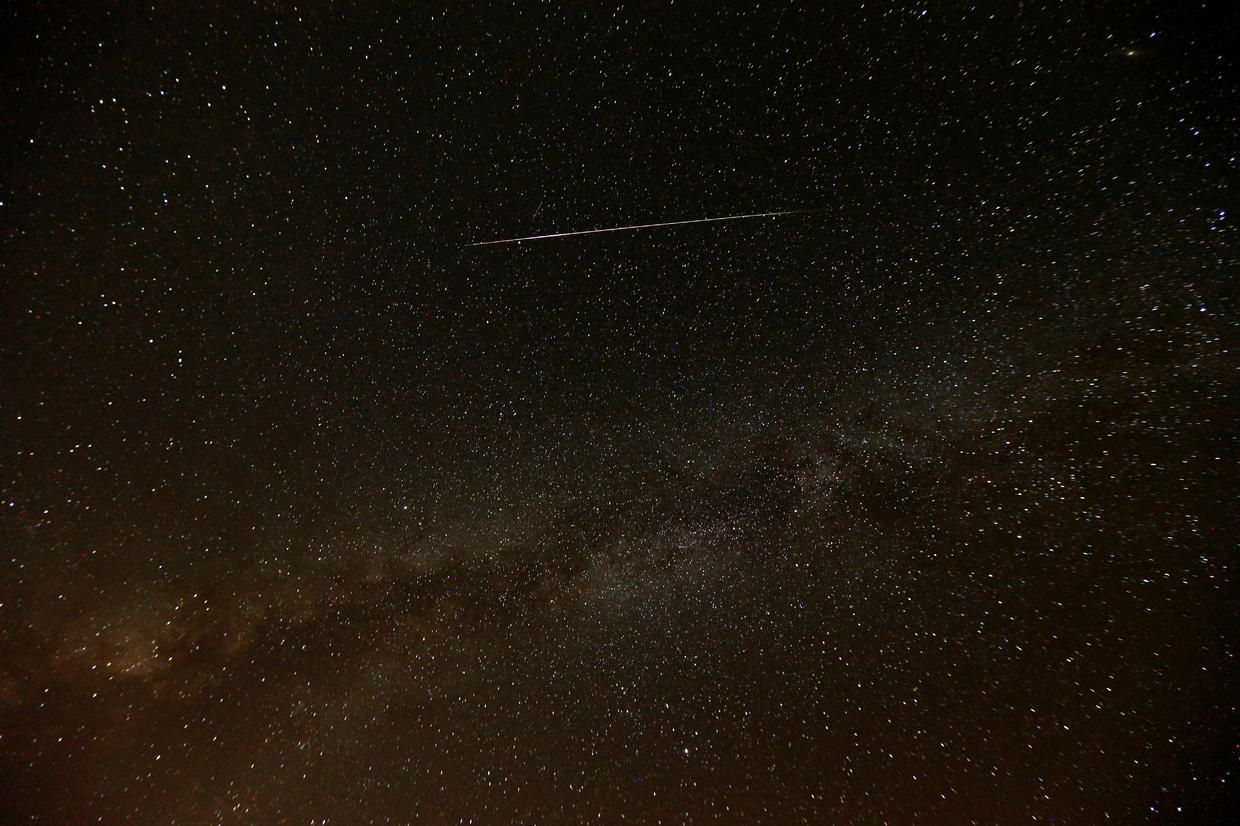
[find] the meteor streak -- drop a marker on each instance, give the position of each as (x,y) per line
(638,226)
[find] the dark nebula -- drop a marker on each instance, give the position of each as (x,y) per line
(915,505)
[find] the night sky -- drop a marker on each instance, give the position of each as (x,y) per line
(917,504)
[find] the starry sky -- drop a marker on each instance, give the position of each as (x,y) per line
(916,504)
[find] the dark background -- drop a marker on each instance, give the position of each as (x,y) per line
(916,506)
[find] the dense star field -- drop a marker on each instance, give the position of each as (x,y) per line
(915,504)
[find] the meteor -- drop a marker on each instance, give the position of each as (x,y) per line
(639,226)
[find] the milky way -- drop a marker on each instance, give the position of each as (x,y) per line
(918,506)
